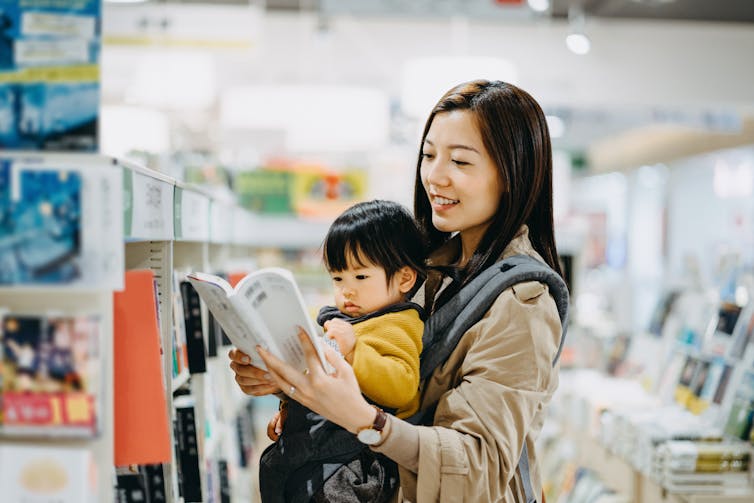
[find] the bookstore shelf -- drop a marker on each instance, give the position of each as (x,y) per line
(638,487)
(134,219)
(100,446)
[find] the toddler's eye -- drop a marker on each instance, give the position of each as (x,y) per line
(361,276)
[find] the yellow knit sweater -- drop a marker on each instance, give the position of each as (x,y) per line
(386,359)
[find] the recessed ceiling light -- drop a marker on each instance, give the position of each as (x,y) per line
(539,5)
(578,43)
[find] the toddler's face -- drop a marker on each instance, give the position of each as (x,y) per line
(362,288)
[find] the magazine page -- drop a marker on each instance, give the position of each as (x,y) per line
(68,222)
(271,300)
(51,375)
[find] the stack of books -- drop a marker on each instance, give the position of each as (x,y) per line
(703,467)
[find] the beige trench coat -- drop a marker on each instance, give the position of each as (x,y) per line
(491,396)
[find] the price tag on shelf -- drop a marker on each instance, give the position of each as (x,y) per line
(151,208)
(242,226)
(221,222)
(191,215)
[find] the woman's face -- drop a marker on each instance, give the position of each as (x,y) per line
(459,177)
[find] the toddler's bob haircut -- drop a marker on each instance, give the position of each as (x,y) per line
(381,232)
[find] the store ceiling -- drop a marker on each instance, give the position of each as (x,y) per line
(737,11)
(740,11)
(734,11)
(639,72)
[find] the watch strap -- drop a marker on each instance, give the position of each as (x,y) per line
(379,421)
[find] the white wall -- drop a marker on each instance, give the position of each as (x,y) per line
(702,222)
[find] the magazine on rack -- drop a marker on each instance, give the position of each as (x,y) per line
(265,308)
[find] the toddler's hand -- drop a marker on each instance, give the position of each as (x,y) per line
(343,333)
(275,426)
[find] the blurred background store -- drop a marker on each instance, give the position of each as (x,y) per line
(281,113)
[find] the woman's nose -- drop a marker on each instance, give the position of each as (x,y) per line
(437,175)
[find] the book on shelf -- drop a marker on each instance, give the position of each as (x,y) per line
(192,315)
(740,418)
(178,349)
(141,411)
(46,473)
(51,375)
(130,486)
(223,481)
(712,394)
(265,308)
(187,449)
(154,476)
(704,457)
(720,338)
(743,341)
(691,369)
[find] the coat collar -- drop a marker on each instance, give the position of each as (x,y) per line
(449,252)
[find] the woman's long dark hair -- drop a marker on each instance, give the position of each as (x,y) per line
(514,132)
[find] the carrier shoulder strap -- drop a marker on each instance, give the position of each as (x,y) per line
(446,326)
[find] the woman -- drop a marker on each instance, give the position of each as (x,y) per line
(483,192)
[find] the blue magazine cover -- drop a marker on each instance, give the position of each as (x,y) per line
(40,226)
(49,74)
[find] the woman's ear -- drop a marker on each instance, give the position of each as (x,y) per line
(406,279)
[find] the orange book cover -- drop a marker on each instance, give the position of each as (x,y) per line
(235,277)
(141,416)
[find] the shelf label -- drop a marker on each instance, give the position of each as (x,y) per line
(151,208)
(191,215)
(221,222)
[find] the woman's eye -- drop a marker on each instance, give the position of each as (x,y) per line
(426,155)
(460,163)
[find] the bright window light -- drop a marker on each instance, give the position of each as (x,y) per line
(539,5)
(731,181)
(124,129)
(178,80)
(556,126)
(578,43)
(425,80)
(313,118)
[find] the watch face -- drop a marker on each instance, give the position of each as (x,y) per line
(369,436)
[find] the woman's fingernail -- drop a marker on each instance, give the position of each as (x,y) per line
(268,377)
(245,359)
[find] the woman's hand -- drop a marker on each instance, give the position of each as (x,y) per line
(344,335)
(252,380)
(335,396)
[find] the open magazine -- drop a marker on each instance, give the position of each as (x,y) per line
(265,308)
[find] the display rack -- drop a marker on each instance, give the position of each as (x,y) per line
(623,478)
(167,227)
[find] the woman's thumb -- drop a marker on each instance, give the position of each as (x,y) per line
(336,360)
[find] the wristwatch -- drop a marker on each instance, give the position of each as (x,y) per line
(372,434)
